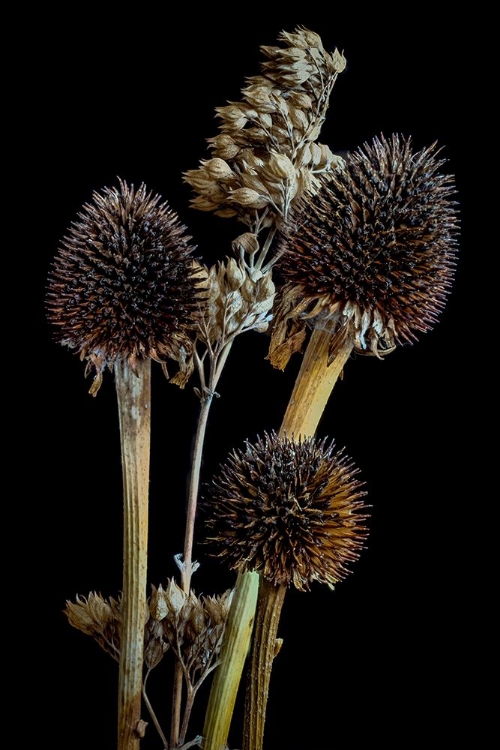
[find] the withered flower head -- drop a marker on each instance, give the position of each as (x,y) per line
(371,254)
(122,284)
(288,510)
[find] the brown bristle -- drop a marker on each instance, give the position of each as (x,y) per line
(374,249)
(288,510)
(122,284)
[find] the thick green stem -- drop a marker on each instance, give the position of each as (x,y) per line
(233,654)
(133,388)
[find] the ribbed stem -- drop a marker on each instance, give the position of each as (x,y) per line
(133,388)
(232,658)
(269,607)
(313,385)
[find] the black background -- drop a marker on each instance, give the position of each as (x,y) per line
(376,661)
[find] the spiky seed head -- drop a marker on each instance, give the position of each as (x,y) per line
(373,251)
(123,282)
(289,510)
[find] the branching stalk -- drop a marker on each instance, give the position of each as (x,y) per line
(133,388)
(217,362)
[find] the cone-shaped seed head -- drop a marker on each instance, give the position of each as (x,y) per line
(122,284)
(374,250)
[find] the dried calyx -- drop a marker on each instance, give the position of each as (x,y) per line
(122,284)
(289,510)
(265,155)
(370,256)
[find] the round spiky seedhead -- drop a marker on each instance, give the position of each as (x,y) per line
(372,253)
(123,282)
(289,510)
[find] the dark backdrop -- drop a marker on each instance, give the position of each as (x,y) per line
(376,661)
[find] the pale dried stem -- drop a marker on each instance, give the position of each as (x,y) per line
(133,390)
(313,386)
(217,362)
(152,713)
(269,607)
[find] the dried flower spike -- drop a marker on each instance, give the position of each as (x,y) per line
(265,154)
(370,256)
(292,511)
(122,283)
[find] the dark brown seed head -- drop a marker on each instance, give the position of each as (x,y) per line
(122,284)
(290,510)
(374,250)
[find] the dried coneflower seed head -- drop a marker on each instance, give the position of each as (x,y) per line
(123,282)
(372,254)
(291,511)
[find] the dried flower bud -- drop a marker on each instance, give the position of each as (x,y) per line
(235,275)
(175,597)
(245,197)
(158,603)
(218,169)
(246,243)
(289,510)
(281,166)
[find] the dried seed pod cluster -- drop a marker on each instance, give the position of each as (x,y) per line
(371,255)
(98,617)
(122,283)
(265,155)
(239,298)
(292,511)
(193,626)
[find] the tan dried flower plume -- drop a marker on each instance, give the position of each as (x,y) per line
(371,255)
(122,284)
(291,511)
(265,154)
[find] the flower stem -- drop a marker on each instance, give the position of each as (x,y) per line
(133,388)
(232,657)
(269,607)
(217,362)
(310,395)
(194,484)
(313,386)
